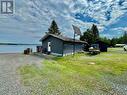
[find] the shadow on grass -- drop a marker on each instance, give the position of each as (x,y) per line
(89,54)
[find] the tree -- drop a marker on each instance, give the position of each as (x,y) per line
(91,35)
(54,28)
(113,42)
(95,32)
(88,37)
(125,37)
(105,40)
(122,39)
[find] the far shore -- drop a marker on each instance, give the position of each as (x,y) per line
(16,44)
(10,53)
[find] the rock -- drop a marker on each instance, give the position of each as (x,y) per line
(91,63)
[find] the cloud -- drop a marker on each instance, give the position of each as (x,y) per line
(120,29)
(33,17)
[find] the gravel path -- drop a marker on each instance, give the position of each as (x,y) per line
(10,83)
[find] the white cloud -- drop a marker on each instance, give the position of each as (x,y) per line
(37,14)
(120,29)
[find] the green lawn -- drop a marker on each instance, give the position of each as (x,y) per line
(73,75)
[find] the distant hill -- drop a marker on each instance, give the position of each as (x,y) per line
(16,44)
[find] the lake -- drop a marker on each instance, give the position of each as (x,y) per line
(16,48)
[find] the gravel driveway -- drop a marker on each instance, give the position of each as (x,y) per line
(10,83)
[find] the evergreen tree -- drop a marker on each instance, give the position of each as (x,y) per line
(54,28)
(125,37)
(113,42)
(105,40)
(122,39)
(95,32)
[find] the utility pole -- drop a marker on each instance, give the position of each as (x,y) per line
(78,32)
(74,45)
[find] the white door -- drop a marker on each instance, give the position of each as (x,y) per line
(49,46)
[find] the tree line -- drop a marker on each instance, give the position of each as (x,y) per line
(91,35)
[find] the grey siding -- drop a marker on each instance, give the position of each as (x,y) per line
(79,47)
(56,45)
(60,47)
(68,48)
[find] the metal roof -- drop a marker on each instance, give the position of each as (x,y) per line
(63,38)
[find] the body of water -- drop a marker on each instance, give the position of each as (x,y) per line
(16,48)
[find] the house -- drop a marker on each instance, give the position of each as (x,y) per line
(60,45)
(102,46)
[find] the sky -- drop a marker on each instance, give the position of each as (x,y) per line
(32,18)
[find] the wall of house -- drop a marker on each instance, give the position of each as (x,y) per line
(68,48)
(103,47)
(56,45)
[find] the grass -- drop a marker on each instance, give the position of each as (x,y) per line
(73,75)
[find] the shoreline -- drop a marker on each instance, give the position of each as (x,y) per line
(12,54)
(15,48)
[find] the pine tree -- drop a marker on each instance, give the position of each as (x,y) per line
(125,37)
(54,28)
(95,32)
